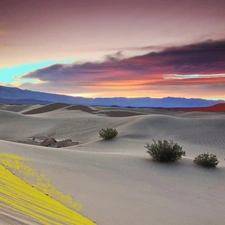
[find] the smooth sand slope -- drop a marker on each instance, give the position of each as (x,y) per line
(18,108)
(116,181)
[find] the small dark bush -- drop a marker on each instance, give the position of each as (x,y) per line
(165,151)
(108,133)
(206,160)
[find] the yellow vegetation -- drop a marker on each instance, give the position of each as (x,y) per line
(18,195)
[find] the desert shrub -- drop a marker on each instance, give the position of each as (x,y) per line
(108,133)
(165,151)
(206,160)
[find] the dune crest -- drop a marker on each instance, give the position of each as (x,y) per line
(47,108)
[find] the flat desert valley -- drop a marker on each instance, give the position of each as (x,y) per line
(116,181)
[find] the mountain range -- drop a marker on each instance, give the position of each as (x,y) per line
(12,95)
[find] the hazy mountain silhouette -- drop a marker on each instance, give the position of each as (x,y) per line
(9,95)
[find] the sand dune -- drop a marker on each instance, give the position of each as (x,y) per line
(117,113)
(47,108)
(116,181)
(215,108)
(83,127)
(81,108)
(18,108)
(13,108)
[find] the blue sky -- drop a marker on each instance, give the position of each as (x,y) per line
(12,74)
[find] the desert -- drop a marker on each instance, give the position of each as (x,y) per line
(116,181)
(112,112)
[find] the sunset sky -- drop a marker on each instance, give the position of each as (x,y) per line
(114,48)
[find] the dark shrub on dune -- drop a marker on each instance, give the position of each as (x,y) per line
(108,133)
(164,151)
(206,160)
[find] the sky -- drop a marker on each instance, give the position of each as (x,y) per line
(119,48)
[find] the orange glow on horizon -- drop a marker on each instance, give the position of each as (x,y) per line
(144,93)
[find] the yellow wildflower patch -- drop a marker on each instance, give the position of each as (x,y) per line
(18,195)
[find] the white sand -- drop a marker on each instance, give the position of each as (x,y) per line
(116,181)
(18,108)
(9,217)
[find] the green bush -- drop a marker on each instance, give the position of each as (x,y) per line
(108,133)
(165,151)
(206,160)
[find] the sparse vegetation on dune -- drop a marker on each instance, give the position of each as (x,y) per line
(165,151)
(206,160)
(108,133)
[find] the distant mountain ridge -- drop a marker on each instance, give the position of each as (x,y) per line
(19,96)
